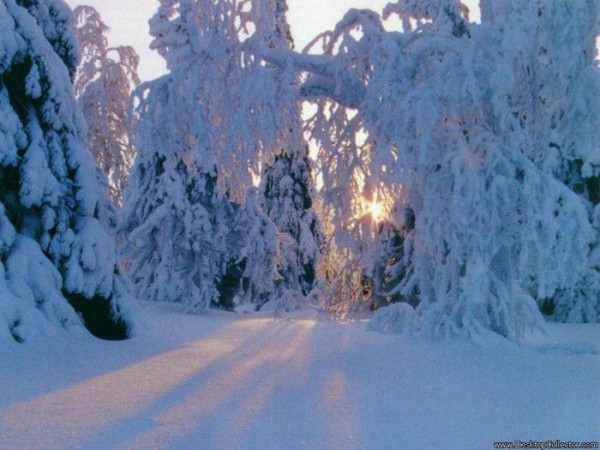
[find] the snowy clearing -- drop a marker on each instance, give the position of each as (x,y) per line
(229,381)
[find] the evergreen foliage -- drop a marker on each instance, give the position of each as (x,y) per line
(53,248)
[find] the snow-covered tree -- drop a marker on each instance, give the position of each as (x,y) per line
(170,219)
(553,113)
(259,254)
(492,230)
(244,104)
(56,260)
(189,234)
(286,196)
(103,84)
(286,189)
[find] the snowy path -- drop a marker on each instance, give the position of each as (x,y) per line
(225,382)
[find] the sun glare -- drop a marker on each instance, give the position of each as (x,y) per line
(378,206)
(376,210)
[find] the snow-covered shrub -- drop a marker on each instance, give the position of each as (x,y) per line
(396,318)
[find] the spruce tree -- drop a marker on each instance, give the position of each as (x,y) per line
(286,195)
(56,260)
(189,235)
(286,190)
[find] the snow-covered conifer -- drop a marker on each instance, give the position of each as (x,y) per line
(286,196)
(552,114)
(392,264)
(56,258)
(258,256)
(286,190)
(200,133)
(172,220)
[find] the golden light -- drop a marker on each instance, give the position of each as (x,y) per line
(378,205)
(376,210)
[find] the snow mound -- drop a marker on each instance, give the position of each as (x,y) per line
(292,304)
(396,318)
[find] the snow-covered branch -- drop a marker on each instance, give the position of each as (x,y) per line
(326,76)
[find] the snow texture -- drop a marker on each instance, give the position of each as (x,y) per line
(223,381)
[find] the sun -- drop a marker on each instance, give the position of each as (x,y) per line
(376,210)
(376,206)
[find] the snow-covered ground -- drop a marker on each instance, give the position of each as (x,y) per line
(228,381)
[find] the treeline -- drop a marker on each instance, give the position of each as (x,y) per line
(457,170)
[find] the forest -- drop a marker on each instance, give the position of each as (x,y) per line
(387,239)
(445,175)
